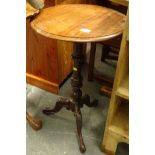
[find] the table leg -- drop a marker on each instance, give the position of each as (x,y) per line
(76,101)
(35,123)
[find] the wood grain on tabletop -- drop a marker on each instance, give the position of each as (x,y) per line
(79,23)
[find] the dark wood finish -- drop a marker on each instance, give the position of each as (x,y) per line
(77,100)
(48,3)
(121,2)
(65,25)
(70,1)
(106,50)
(35,123)
(114,42)
(113,46)
(114,4)
(91,62)
(46,14)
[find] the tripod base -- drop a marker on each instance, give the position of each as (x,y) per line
(69,104)
(77,100)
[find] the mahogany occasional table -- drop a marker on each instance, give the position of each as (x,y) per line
(78,23)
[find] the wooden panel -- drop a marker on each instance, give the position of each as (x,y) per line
(65,63)
(123,89)
(42,83)
(122,75)
(120,122)
(79,23)
(41,56)
(48,3)
(112,142)
(118,130)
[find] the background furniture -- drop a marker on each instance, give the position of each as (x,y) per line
(119,5)
(49,3)
(108,47)
(48,61)
(121,2)
(35,123)
(78,23)
(117,124)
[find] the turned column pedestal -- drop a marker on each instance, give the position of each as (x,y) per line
(76,101)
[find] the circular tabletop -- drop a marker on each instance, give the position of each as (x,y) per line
(79,23)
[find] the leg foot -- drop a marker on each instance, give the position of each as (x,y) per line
(79,127)
(35,123)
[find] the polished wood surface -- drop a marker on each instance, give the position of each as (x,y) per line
(79,23)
